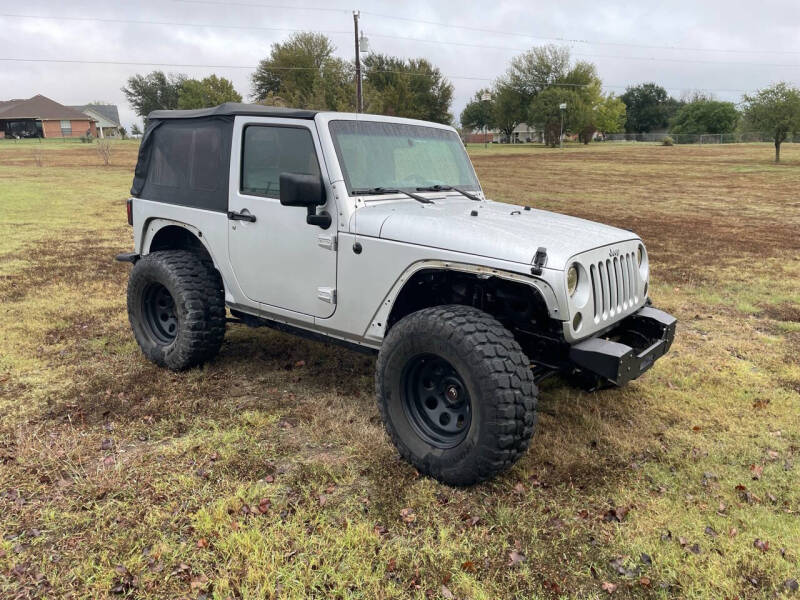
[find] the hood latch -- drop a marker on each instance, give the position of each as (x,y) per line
(539,261)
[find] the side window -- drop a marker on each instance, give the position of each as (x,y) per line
(268,151)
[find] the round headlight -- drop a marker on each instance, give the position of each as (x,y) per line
(572,279)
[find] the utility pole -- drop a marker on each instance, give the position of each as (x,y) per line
(359,98)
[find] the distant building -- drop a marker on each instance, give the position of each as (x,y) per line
(42,117)
(105,116)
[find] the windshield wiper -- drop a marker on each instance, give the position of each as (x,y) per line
(379,191)
(447,188)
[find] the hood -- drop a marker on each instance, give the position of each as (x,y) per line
(501,231)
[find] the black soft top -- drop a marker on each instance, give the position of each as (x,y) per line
(184,157)
(231,109)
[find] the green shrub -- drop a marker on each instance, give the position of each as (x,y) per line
(667,141)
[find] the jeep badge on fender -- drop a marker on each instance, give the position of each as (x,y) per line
(374,232)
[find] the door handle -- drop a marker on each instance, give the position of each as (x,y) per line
(240,216)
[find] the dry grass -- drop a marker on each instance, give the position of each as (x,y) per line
(267,472)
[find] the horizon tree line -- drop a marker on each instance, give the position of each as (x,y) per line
(303,72)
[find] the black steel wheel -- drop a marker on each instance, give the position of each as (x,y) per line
(176,307)
(158,310)
(436,401)
(456,393)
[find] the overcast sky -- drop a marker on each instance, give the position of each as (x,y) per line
(723,46)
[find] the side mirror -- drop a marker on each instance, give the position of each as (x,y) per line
(297,189)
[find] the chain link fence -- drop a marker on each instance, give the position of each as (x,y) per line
(697,138)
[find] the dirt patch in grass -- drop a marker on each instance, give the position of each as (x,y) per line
(783,312)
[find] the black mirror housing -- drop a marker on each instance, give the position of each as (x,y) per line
(297,189)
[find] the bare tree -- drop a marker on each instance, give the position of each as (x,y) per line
(104,150)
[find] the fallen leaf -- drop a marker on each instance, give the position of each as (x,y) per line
(773,455)
(733,532)
(468,566)
(300,363)
(519,489)
(202,543)
(515,558)
(757,470)
(696,428)
(616,514)
(446,593)
(323,499)
(106,444)
(644,581)
(391,566)
(269,478)
(710,532)
(762,545)
(695,548)
(263,505)
(407,515)
(645,558)
(199,582)
(791,585)
(609,587)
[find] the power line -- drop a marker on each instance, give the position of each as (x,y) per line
(396,37)
(167,23)
(494,31)
(398,72)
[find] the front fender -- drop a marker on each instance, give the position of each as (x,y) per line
(378,324)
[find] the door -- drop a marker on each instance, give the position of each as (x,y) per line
(278,258)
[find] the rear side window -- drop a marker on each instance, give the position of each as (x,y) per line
(187,158)
(268,151)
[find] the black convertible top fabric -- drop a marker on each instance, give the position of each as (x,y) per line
(233,109)
(185,162)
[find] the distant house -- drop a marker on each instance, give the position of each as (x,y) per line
(105,116)
(42,117)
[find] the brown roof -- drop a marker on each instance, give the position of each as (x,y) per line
(39,107)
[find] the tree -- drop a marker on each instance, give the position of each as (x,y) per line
(545,111)
(477,114)
(303,72)
(154,91)
(776,110)
(534,70)
(135,130)
(411,88)
(510,108)
(609,114)
(703,115)
(526,76)
(649,107)
(207,92)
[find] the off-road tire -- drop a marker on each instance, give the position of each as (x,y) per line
(199,308)
(496,374)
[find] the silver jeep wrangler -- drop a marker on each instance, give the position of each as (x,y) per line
(374,232)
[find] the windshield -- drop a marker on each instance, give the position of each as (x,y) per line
(374,154)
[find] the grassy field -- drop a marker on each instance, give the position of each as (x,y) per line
(267,473)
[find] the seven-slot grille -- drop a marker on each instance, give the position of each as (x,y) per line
(615,285)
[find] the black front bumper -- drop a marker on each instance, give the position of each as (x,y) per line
(631,348)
